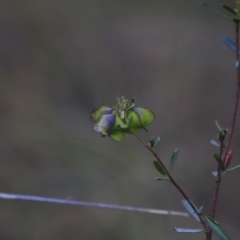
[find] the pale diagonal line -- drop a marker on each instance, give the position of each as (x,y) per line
(9,196)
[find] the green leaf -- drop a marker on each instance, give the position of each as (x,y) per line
(173,158)
(219,160)
(237,21)
(153,142)
(204,4)
(131,104)
(161,179)
(233,168)
(217,157)
(215,143)
(190,210)
(159,168)
(186,230)
(216,228)
(229,9)
(218,126)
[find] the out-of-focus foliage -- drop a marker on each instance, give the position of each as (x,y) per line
(60,59)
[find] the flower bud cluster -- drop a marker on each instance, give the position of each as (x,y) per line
(123,118)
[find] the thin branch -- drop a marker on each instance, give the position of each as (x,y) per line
(232,128)
(235,110)
(217,184)
(224,150)
(21,197)
(173,181)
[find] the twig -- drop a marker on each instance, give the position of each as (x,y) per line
(233,123)
(224,150)
(217,184)
(173,181)
(234,117)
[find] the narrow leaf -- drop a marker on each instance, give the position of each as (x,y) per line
(229,42)
(159,168)
(235,20)
(190,210)
(161,179)
(204,4)
(173,158)
(185,230)
(218,126)
(215,174)
(215,143)
(219,160)
(237,64)
(200,210)
(217,157)
(153,142)
(233,168)
(216,228)
(131,104)
(229,9)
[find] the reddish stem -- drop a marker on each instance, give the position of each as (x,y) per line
(174,183)
(224,150)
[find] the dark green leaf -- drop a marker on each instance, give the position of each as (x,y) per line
(173,158)
(215,143)
(161,179)
(131,104)
(237,21)
(153,142)
(233,168)
(219,160)
(190,210)
(222,134)
(229,9)
(185,230)
(216,228)
(159,168)
(214,10)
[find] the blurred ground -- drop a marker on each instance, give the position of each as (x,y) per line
(60,59)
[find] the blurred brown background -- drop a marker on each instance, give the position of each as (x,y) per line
(60,59)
